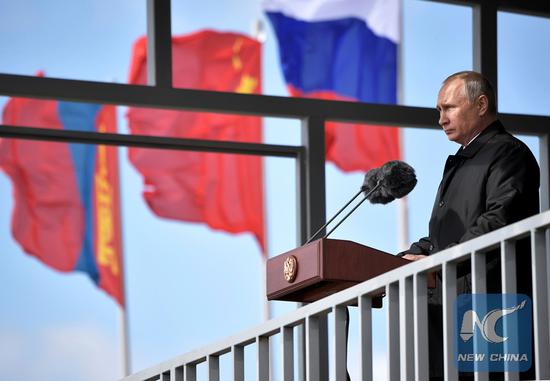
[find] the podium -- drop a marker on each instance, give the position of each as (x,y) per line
(323,267)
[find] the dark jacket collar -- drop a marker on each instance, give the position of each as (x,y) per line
(485,135)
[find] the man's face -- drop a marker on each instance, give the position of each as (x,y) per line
(459,119)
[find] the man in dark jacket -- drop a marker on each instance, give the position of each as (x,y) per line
(492,181)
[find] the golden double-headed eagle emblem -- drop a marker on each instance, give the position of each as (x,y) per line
(290,268)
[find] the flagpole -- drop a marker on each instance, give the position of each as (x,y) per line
(125,342)
(123,307)
(258,33)
(124,320)
(402,206)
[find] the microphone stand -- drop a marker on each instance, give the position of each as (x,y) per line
(378,184)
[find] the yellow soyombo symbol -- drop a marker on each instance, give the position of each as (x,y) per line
(107,255)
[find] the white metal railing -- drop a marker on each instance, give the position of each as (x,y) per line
(406,296)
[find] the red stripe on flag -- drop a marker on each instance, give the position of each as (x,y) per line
(48,217)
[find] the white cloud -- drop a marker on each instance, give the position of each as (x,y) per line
(76,352)
(11,353)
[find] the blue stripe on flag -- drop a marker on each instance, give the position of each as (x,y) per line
(342,56)
(81,117)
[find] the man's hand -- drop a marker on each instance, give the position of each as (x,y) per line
(413,257)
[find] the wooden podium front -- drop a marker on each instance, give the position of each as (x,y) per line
(323,267)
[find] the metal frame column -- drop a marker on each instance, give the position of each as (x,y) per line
(312,204)
(159,43)
(485,40)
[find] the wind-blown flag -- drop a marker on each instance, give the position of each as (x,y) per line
(342,50)
(225,191)
(66,210)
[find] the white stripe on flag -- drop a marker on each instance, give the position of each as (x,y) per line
(381,16)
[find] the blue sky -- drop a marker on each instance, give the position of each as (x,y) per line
(187,285)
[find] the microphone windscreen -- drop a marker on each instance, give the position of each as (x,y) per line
(371,179)
(380,195)
(398,178)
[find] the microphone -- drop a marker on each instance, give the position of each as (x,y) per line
(394,179)
(397,179)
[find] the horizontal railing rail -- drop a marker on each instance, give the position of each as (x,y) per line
(406,294)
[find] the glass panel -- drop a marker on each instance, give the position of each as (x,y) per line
(85,41)
(523,59)
(437,42)
(352,149)
(88,40)
(319,58)
(187,285)
(371,225)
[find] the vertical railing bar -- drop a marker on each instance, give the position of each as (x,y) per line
(312,349)
(508,266)
(540,303)
(479,283)
(262,343)
(287,347)
(509,286)
(301,351)
(238,362)
(340,345)
(213,368)
(323,347)
(406,326)
(392,292)
(479,286)
(449,298)
(420,298)
(365,335)
(190,372)
(176,374)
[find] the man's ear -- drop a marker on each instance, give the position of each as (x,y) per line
(482,105)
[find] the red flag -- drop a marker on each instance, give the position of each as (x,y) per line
(225,191)
(356,147)
(66,209)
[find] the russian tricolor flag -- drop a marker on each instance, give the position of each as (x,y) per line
(342,50)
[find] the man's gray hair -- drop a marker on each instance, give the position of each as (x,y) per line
(475,85)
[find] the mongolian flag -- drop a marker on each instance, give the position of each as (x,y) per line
(342,50)
(224,191)
(66,210)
